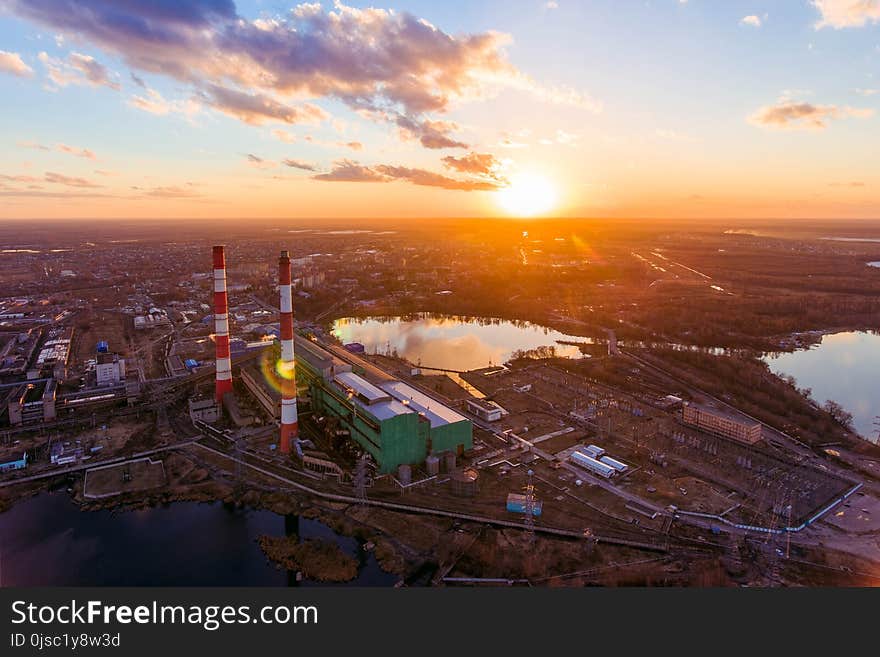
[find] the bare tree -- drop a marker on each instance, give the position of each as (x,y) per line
(839,413)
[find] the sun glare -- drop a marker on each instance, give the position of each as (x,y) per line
(528,195)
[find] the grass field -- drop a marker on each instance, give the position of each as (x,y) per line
(92,328)
(145,474)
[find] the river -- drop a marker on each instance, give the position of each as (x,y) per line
(46,540)
(844,367)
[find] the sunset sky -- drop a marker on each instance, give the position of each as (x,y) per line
(581,108)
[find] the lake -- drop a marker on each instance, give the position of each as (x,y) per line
(454,343)
(47,541)
(844,367)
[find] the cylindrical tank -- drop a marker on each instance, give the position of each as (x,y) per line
(432,465)
(449,461)
(404,475)
(465,483)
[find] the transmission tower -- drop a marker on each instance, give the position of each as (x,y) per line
(362,477)
(530,507)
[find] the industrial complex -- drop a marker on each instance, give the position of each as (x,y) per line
(392,421)
(396,424)
(238,386)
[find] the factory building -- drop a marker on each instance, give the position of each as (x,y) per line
(721,423)
(486,410)
(394,422)
(448,428)
(155,318)
(33,402)
(53,357)
(61,453)
(17,464)
(238,417)
(204,409)
(109,369)
(267,397)
(589,463)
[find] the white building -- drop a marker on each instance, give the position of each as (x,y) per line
(486,410)
(110,369)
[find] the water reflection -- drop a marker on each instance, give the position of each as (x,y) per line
(47,541)
(450,342)
(844,367)
(467,343)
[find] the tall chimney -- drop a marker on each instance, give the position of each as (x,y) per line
(221,325)
(289,427)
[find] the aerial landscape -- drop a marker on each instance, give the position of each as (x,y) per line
(443,296)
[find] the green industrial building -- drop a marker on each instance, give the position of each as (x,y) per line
(393,421)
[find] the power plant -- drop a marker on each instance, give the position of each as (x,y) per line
(394,422)
(238,400)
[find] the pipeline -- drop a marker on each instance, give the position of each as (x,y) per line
(442,512)
(775,530)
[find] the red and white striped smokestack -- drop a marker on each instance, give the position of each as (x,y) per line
(289,426)
(221,325)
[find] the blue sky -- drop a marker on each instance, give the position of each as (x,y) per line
(627,108)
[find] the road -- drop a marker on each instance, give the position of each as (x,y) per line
(93,464)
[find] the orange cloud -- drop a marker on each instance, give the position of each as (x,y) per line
(792,115)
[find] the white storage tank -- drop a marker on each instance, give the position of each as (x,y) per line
(432,465)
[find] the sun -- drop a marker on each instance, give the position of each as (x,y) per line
(528,195)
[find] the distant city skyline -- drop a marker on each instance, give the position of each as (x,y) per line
(566,108)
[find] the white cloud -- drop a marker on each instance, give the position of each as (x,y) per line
(11,62)
(566,138)
(79,69)
(751,21)
(154,102)
(847,13)
(283,135)
(391,64)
